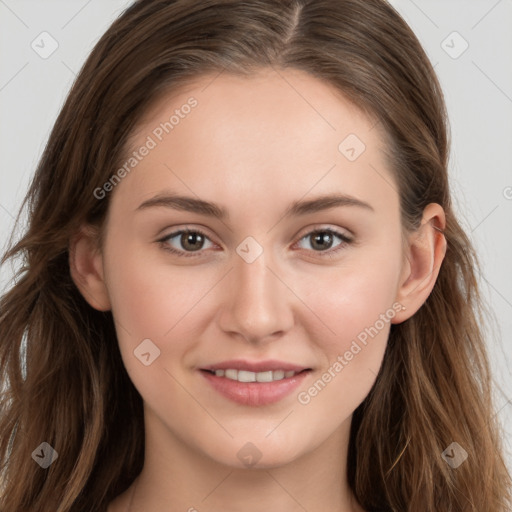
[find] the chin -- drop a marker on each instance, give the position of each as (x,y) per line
(256,455)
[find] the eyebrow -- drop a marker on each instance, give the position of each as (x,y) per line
(211,209)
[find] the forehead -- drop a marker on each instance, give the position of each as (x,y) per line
(235,137)
(266,99)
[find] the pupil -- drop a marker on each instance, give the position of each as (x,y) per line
(190,241)
(325,240)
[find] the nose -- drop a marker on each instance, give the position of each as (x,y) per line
(258,304)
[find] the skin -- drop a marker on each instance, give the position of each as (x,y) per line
(254,145)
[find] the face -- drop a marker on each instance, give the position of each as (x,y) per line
(283,280)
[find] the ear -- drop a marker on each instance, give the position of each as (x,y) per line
(424,256)
(86,267)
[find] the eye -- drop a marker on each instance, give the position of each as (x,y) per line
(190,241)
(322,241)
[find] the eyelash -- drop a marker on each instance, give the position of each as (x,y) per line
(323,254)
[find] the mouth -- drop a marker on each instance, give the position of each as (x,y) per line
(255,383)
(249,376)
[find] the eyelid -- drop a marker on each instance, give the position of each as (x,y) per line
(342,232)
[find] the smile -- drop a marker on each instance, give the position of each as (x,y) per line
(248,376)
(256,387)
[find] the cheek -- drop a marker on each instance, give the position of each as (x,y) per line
(355,305)
(156,302)
(356,308)
(159,302)
(150,297)
(351,300)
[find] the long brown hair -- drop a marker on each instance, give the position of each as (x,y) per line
(62,373)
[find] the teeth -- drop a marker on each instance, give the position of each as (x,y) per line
(246,376)
(278,375)
(231,374)
(264,376)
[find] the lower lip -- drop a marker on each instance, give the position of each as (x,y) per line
(255,393)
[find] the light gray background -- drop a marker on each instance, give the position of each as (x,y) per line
(477,85)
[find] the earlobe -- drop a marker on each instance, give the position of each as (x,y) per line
(427,249)
(86,268)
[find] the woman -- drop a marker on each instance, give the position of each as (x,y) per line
(244,283)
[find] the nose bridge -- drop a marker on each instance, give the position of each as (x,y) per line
(259,303)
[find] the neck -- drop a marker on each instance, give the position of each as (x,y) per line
(178,478)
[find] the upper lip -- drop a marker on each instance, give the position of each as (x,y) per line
(255,366)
